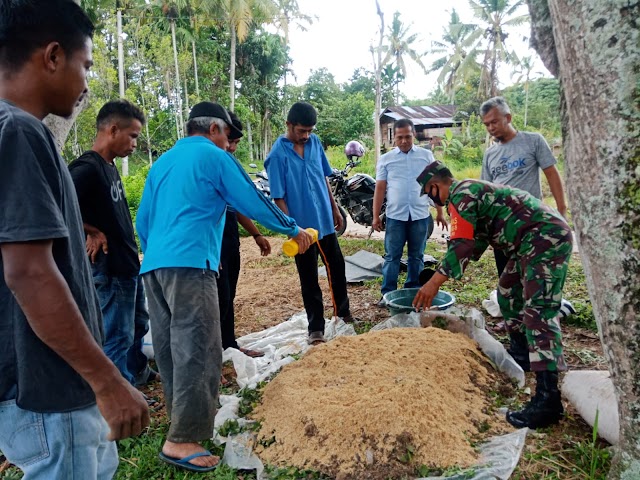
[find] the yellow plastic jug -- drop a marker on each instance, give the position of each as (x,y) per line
(290,247)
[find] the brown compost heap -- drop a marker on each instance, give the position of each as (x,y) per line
(379,405)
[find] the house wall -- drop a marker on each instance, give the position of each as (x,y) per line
(422,134)
(428,133)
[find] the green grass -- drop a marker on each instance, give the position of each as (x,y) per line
(460,168)
(349,246)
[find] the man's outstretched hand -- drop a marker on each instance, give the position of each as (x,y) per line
(428,292)
(304,240)
(263,244)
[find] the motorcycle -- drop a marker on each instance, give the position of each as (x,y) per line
(355,196)
(262,180)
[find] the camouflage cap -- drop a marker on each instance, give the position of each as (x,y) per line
(428,173)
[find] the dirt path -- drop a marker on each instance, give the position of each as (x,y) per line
(269,291)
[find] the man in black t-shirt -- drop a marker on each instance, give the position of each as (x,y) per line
(110,241)
(230,259)
(51,361)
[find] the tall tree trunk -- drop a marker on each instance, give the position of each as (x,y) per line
(186,97)
(377,63)
(146,129)
(250,141)
(285,89)
(232,69)
(61,126)
(180,120)
(592,46)
(266,144)
(121,86)
(195,69)
(493,77)
(526,101)
(144,103)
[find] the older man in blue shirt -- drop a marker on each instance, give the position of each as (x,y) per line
(180,223)
(408,217)
(297,169)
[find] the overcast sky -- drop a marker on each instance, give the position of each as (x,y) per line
(340,37)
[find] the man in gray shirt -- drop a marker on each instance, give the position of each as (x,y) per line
(62,402)
(517,158)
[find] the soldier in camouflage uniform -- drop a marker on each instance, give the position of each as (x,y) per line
(537,241)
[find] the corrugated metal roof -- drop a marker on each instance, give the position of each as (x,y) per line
(425,115)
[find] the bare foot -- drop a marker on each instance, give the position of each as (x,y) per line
(181,450)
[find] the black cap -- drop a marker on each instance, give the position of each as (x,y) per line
(211,109)
(428,173)
(237,133)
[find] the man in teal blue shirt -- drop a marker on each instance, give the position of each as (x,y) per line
(297,169)
(180,223)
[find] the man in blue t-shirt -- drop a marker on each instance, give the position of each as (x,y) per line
(297,169)
(62,402)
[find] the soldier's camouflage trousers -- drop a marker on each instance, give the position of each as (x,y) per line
(530,292)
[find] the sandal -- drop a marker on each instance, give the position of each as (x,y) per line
(251,353)
(153,404)
(186,464)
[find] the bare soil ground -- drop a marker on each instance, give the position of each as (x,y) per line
(268,291)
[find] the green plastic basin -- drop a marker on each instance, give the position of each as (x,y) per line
(399,301)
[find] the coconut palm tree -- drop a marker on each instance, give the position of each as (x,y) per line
(496,17)
(523,70)
(458,60)
(240,14)
(399,46)
(288,13)
(171,10)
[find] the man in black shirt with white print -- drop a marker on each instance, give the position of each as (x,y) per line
(110,241)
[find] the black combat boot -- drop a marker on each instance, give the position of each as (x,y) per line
(519,349)
(545,408)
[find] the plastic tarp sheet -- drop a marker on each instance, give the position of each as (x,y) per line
(363,265)
(591,392)
(499,455)
(491,305)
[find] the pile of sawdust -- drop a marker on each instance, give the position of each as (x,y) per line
(379,405)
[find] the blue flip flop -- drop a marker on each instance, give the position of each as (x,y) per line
(184,462)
